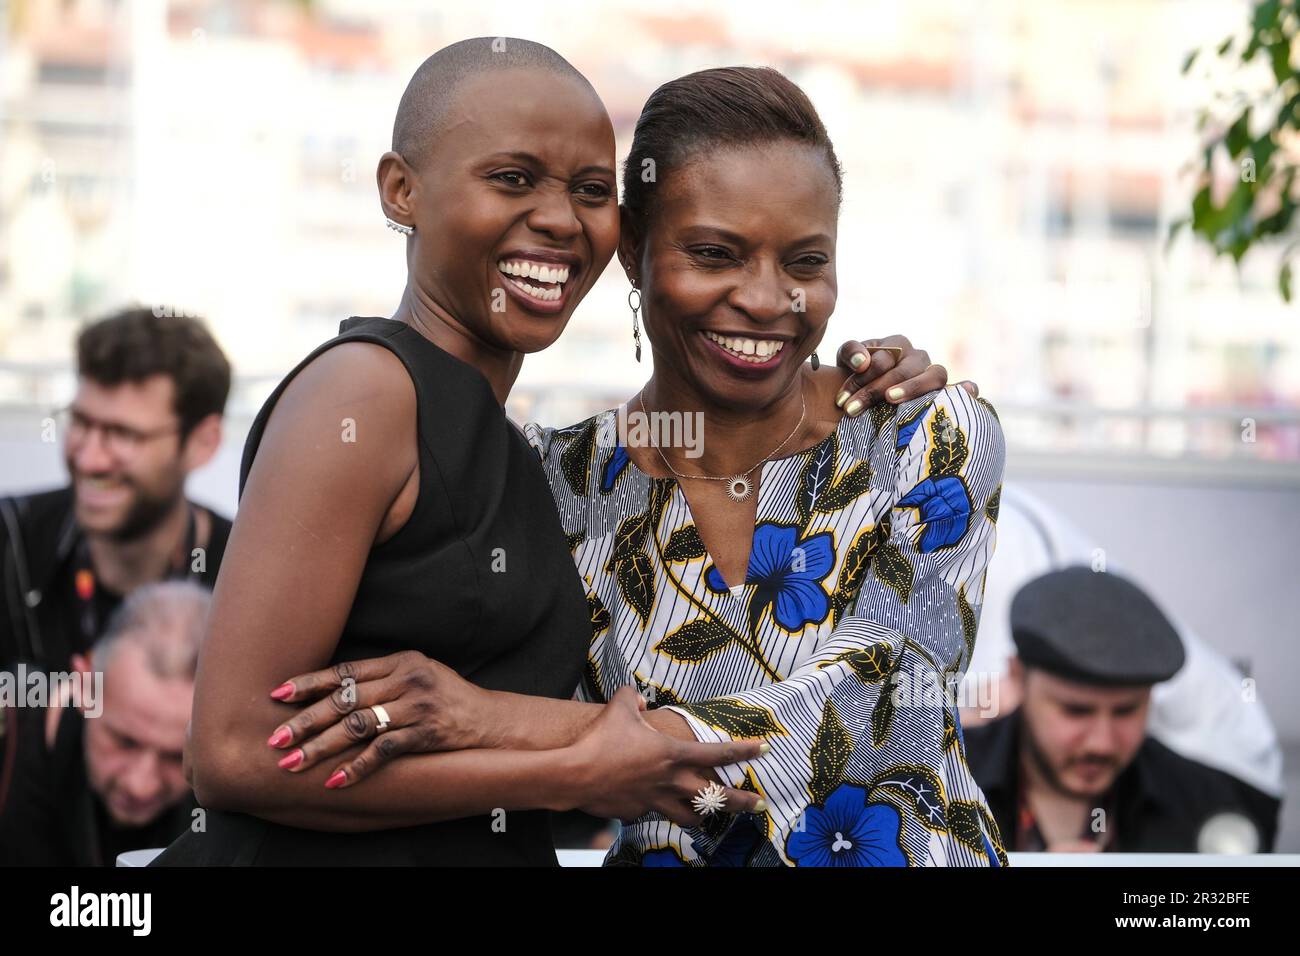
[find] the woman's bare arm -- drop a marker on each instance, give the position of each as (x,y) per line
(314,504)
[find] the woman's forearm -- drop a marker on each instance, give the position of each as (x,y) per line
(410,790)
(521,722)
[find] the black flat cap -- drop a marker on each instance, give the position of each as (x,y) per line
(1094,627)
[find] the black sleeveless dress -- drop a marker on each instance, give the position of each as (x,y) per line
(513,619)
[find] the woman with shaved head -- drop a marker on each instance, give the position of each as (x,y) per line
(391,513)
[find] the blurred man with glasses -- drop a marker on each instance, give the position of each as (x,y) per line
(150,395)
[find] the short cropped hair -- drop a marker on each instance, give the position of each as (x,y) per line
(166,620)
(422,112)
(135,344)
(727,106)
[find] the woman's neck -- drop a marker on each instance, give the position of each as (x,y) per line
(499,366)
(734,440)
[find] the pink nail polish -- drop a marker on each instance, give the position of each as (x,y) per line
(282,692)
(280,737)
(292,760)
(336,780)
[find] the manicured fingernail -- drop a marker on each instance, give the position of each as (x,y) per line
(764,749)
(761,806)
(896,392)
(853,407)
(280,737)
(291,760)
(336,780)
(858,360)
(283,692)
(841,398)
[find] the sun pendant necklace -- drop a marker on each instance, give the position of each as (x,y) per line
(739,487)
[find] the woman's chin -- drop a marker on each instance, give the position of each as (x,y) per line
(529,334)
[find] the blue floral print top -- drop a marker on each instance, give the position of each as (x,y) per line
(859,607)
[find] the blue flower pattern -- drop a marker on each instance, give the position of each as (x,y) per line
(883,796)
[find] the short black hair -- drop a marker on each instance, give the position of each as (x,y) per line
(421,114)
(726,106)
(135,344)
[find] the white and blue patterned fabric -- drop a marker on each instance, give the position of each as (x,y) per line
(859,607)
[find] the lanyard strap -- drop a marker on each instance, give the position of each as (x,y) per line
(85,583)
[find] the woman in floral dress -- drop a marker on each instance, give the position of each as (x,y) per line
(804,577)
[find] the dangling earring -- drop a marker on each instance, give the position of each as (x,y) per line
(635,307)
(399,227)
(816,362)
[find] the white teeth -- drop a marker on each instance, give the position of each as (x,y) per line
(534,270)
(537,292)
(751,350)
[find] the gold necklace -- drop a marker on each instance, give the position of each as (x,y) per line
(739,487)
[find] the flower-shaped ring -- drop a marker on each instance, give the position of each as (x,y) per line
(710,799)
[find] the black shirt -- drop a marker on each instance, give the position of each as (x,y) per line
(437,586)
(46,613)
(1157,804)
(52,817)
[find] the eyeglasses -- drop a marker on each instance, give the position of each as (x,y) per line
(120,440)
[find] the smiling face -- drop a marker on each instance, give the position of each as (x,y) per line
(125,455)
(737,270)
(515,208)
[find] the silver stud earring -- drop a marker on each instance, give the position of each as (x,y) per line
(816,362)
(399,227)
(635,307)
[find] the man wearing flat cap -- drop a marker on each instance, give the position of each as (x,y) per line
(1072,768)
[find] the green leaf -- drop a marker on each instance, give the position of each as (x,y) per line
(1222,48)
(1262,150)
(661,492)
(1237,137)
(994,504)
(831,749)
(697,640)
(969,621)
(949,451)
(895,569)
(882,715)
(964,824)
(1265,16)
(736,718)
(995,836)
(685,545)
(1284,282)
(591,681)
(599,615)
(658,696)
(575,462)
(920,786)
(629,538)
(872,664)
(1189,60)
(853,572)
(881,413)
(636,582)
(848,488)
(815,477)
